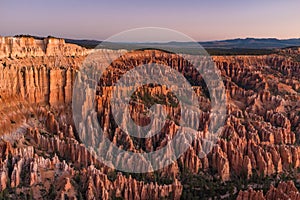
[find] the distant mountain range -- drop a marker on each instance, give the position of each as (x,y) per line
(252,43)
(247,46)
(248,43)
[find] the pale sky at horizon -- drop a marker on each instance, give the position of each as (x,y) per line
(201,20)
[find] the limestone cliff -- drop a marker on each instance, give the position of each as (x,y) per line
(22,47)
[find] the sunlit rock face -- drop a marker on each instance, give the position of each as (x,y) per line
(41,147)
(24,47)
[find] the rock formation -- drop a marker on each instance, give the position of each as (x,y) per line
(40,145)
(285,190)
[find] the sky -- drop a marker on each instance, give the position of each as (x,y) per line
(201,20)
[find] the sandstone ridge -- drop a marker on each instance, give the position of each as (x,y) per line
(20,47)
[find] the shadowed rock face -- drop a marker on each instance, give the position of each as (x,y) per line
(40,146)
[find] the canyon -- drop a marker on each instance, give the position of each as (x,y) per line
(44,155)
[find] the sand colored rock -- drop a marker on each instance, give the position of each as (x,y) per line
(37,76)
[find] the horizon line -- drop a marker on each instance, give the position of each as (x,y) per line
(100,40)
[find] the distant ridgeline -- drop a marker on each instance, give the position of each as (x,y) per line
(248,46)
